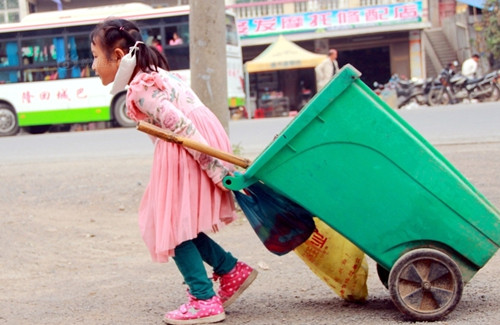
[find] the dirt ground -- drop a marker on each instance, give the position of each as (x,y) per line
(71,253)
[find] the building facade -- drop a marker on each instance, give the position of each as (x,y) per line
(378,37)
(11,11)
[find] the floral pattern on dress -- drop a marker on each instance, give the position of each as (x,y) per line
(158,101)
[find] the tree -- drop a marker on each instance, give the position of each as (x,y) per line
(490,26)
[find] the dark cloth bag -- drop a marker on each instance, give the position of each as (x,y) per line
(280,223)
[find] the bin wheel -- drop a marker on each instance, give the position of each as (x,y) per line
(425,284)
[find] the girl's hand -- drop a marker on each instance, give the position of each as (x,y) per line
(222,187)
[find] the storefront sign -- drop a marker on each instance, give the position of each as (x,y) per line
(400,13)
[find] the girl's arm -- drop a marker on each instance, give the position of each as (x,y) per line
(146,101)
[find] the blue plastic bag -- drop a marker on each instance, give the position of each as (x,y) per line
(280,223)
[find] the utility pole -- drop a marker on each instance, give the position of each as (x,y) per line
(207,58)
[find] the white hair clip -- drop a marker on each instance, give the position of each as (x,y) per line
(126,69)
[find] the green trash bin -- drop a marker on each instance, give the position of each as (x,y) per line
(352,161)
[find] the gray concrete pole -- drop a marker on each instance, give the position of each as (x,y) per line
(207,48)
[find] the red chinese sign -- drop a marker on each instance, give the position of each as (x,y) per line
(331,20)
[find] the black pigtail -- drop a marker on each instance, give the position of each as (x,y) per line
(123,34)
(148,57)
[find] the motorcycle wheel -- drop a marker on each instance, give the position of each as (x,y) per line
(494,95)
(438,97)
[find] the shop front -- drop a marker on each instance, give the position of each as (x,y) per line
(281,79)
(378,40)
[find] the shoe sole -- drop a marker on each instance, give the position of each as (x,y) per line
(204,320)
(242,288)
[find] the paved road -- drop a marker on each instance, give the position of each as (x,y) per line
(448,124)
(452,124)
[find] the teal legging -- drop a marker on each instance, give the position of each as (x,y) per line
(189,257)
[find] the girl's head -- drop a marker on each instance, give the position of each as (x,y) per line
(110,42)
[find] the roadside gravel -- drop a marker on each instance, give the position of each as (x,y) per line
(71,253)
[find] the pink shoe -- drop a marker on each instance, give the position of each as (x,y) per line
(197,312)
(235,282)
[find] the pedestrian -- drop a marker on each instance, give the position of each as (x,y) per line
(326,69)
(185,197)
(450,70)
(470,66)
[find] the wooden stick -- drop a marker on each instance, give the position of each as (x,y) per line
(188,143)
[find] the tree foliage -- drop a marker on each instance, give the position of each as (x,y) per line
(491,27)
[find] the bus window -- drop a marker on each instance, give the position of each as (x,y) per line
(178,57)
(79,52)
(177,35)
(184,32)
(9,54)
(152,37)
(9,57)
(177,51)
(80,56)
(40,50)
(39,59)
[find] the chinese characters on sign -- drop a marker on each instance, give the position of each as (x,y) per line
(331,20)
(30,97)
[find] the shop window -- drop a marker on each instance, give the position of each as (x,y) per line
(12,4)
(13,17)
(10,11)
(231,31)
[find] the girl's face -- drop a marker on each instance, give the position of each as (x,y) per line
(105,68)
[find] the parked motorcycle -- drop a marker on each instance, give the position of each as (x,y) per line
(441,91)
(455,88)
(428,84)
(485,89)
(407,91)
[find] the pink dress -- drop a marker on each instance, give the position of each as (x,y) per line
(181,199)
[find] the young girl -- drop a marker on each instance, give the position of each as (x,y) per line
(185,197)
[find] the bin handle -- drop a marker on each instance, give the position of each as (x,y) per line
(192,144)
